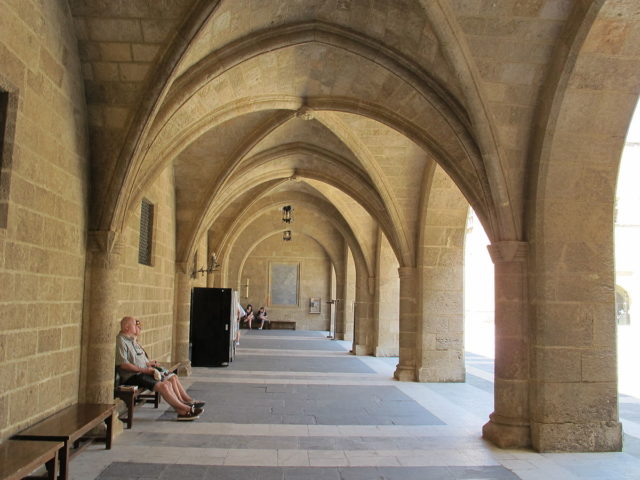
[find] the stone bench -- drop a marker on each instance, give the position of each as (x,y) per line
(133,396)
(69,426)
(19,458)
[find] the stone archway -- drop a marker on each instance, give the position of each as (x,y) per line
(573,392)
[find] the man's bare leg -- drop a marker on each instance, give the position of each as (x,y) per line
(166,391)
(179,390)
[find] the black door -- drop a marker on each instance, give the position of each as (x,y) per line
(210,339)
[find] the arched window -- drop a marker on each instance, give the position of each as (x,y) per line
(622,306)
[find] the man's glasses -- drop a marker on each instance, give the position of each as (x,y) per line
(138,323)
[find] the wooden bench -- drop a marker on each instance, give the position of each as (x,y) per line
(19,458)
(282,325)
(133,396)
(69,427)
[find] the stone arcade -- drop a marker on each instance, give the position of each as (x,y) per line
(382,122)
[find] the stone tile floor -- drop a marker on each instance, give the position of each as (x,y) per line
(294,405)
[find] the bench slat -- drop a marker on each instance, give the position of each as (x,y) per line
(69,423)
(19,458)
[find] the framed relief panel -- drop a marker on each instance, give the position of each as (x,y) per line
(284,280)
(314,305)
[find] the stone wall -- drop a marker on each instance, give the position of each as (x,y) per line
(43,183)
(315,280)
(147,292)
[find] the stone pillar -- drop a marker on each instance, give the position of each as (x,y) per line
(362,316)
(183,309)
(386,296)
(346,326)
(102,311)
(406,368)
(339,320)
(440,352)
(509,425)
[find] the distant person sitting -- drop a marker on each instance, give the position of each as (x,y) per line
(249,316)
(262,316)
(135,368)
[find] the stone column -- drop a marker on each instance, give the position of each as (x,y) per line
(363,322)
(440,320)
(183,310)
(509,425)
(346,326)
(386,295)
(101,316)
(406,368)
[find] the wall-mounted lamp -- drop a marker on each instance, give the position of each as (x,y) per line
(212,266)
(286,235)
(287,214)
(246,287)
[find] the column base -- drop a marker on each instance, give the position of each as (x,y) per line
(184,370)
(117,425)
(360,350)
(405,373)
(577,437)
(507,433)
(433,375)
(382,351)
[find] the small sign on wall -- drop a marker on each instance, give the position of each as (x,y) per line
(314,305)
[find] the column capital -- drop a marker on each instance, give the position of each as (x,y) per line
(508,251)
(104,241)
(183,268)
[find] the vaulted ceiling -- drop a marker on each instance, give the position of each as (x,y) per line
(356,101)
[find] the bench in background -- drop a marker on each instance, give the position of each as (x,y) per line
(282,325)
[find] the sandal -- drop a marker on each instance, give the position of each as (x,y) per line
(192,414)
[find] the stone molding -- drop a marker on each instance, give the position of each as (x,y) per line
(407,272)
(508,251)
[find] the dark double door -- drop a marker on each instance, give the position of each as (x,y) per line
(212,326)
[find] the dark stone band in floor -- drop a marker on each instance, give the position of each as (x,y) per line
(134,471)
(307,405)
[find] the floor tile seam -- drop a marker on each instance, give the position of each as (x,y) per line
(275,374)
(292,381)
(268,352)
(302,458)
(287,373)
(244,333)
(445,439)
(282,380)
(288,430)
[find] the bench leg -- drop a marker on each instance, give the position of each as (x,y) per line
(130,413)
(52,468)
(64,461)
(156,401)
(109,435)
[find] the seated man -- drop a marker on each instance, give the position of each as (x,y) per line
(136,369)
